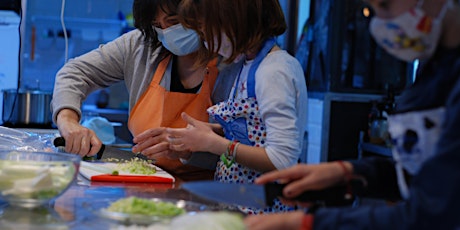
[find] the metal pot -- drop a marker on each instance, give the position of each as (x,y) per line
(26,108)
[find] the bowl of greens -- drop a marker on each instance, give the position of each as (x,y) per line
(32,179)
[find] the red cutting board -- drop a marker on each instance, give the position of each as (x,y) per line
(87,170)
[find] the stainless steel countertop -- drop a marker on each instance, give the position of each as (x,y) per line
(68,211)
(71,211)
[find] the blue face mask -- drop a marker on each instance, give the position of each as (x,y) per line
(179,40)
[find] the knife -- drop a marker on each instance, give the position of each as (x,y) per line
(261,196)
(106,152)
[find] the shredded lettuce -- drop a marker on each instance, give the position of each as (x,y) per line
(142,206)
(137,166)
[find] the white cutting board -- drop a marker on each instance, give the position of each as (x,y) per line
(100,172)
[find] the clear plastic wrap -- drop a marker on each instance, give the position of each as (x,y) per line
(13,139)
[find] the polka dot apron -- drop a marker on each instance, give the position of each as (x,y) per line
(241,120)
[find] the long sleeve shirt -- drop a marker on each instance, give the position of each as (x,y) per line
(434,201)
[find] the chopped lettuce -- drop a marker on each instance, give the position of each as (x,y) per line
(137,166)
(141,206)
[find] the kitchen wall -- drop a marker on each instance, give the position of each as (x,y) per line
(88,23)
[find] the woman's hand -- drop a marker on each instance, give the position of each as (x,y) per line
(303,177)
(197,136)
(153,143)
(288,220)
(78,139)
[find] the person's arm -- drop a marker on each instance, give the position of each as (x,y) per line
(79,139)
(199,137)
(82,75)
(282,97)
(433,202)
(296,220)
(76,80)
(380,176)
(205,160)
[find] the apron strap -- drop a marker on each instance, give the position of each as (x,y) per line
(160,71)
(268,45)
(213,71)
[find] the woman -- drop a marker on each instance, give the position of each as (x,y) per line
(157,64)
(265,116)
(424,131)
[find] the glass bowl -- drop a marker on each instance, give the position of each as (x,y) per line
(32,179)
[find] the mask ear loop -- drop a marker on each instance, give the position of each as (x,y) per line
(420,4)
(447,5)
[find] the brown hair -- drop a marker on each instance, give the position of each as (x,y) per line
(247,23)
(145,11)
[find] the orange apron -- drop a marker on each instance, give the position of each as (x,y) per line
(158,107)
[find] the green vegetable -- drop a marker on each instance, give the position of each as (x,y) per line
(135,205)
(45,194)
(137,166)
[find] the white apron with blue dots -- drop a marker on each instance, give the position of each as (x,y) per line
(241,120)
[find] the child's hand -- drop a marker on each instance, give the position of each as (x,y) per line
(197,136)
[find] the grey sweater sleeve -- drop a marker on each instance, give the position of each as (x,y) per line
(126,59)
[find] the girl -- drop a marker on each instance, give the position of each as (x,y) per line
(264,119)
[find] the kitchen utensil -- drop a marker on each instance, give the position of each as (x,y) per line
(33,179)
(261,196)
(26,108)
(107,152)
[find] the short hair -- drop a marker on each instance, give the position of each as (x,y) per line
(247,23)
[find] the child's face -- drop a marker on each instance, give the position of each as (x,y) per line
(408,29)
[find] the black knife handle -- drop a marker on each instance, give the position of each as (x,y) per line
(60,142)
(337,195)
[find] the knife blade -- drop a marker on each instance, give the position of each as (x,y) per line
(261,196)
(106,152)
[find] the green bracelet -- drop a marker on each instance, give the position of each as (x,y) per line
(226,161)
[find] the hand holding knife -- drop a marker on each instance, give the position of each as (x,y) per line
(106,152)
(261,196)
